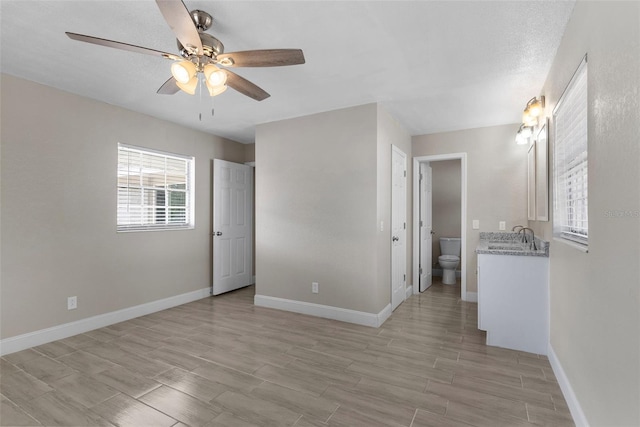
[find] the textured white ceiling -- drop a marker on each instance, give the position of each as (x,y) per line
(434,65)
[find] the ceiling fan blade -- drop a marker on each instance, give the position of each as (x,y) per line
(169,87)
(245,87)
(179,19)
(262,58)
(120,45)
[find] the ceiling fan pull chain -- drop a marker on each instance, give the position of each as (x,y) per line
(200,89)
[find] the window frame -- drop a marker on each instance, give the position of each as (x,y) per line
(189,191)
(571,172)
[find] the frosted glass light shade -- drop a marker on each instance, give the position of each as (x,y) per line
(189,87)
(214,75)
(532,111)
(215,90)
(528,119)
(524,133)
(535,109)
(183,71)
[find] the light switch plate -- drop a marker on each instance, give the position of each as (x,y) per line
(476,224)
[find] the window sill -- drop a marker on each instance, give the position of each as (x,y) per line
(138,229)
(575,245)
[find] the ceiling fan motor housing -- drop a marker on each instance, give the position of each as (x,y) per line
(201,19)
(211,46)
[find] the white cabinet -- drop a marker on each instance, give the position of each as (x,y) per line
(513,301)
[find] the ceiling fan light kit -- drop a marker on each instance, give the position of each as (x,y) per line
(216,90)
(190,86)
(214,75)
(200,52)
(183,71)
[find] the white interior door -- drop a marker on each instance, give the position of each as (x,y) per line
(398,226)
(232,228)
(426,226)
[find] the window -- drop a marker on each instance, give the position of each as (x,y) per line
(571,218)
(155,189)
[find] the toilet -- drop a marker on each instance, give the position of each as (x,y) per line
(449,259)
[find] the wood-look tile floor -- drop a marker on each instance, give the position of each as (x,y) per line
(222,361)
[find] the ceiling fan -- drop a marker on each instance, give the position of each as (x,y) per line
(201,55)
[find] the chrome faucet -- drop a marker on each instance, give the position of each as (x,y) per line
(532,244)
(517,226)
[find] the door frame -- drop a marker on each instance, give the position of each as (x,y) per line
(395,149)
(428,180)
(463,217)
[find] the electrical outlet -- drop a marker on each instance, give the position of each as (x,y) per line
(502,225)
(314,287)
(475,224)
(72,303)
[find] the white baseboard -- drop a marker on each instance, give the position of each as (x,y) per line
(408,291)
(471,297)
(43,336)
(326,311)
(384,314)
(578,415)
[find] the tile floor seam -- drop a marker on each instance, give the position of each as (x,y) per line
(23,409)
(414,417)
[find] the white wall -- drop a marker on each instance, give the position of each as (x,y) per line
(322,188)
(496,179)
(595,296)
(58,228)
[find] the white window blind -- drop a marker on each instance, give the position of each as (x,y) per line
(571,216)
(155,189)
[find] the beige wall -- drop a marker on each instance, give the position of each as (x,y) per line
(496,179)
(58,229)
(250,152)
(319,200)
(446,195)
(595,296)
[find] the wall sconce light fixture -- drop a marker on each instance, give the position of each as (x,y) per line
(530,117)
(524,133)
(532,111)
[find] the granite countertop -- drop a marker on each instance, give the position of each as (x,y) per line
(506,243)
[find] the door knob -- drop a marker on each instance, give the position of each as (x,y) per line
(395,239)
(218,233)
(433,232)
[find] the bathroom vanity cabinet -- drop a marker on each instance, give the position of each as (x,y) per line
(513,300)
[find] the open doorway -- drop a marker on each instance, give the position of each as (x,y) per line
(438,220)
